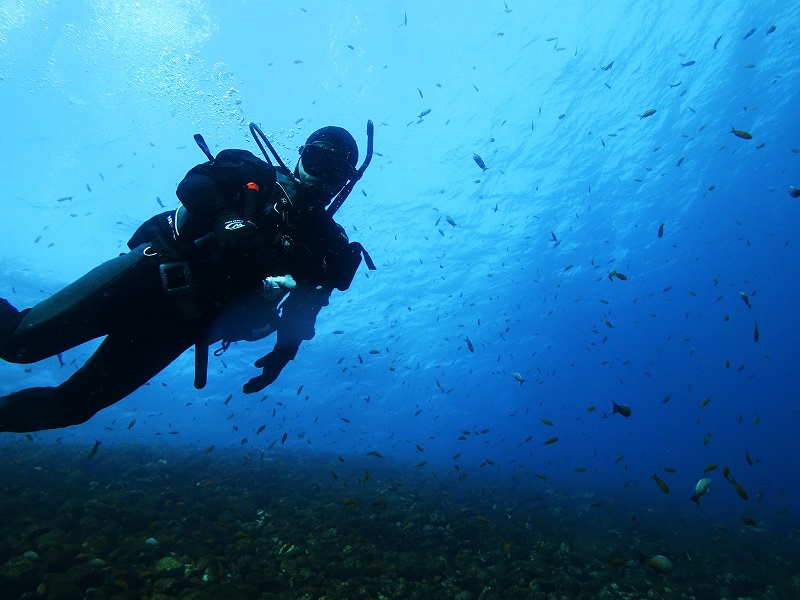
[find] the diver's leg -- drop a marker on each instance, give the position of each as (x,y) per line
(123,362)
(86,309)
(10,319)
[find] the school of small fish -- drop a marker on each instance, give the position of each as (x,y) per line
(473,342)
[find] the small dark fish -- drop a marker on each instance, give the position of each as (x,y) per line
(741,134)
(93,449)
(664,487)
(345,420)
(260,429)
(688,64)
(479,161)
(680,161)
(131,424)
(283,438)
(648,113)
(300,389)
(470,346)
(427,111)
(749,33)
(420,93)
(63,198)
(772,29)
(228,399)
(608,66)
(745,299)
(210,448)
(551,440)
(755,333)
(160,203)
(450,220)
(613,273)
(622,409)
(553,236)
(719,37)
(739,489)
(661,228)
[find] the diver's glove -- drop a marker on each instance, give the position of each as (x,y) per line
(271,366)
(236,236)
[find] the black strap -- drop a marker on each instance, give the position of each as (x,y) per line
(223,348)
(367,258)
(203,146)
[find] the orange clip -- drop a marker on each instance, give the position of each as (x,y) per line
(253,186)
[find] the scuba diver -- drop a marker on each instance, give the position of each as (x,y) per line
(252,249)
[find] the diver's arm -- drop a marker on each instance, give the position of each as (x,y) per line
(298,315)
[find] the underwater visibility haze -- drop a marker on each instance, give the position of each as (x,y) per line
(572,375)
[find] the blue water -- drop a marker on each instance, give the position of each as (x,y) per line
(100,100)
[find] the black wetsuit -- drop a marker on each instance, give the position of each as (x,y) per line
(171,291)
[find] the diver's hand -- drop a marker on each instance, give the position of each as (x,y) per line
(272,364)
(236,236)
